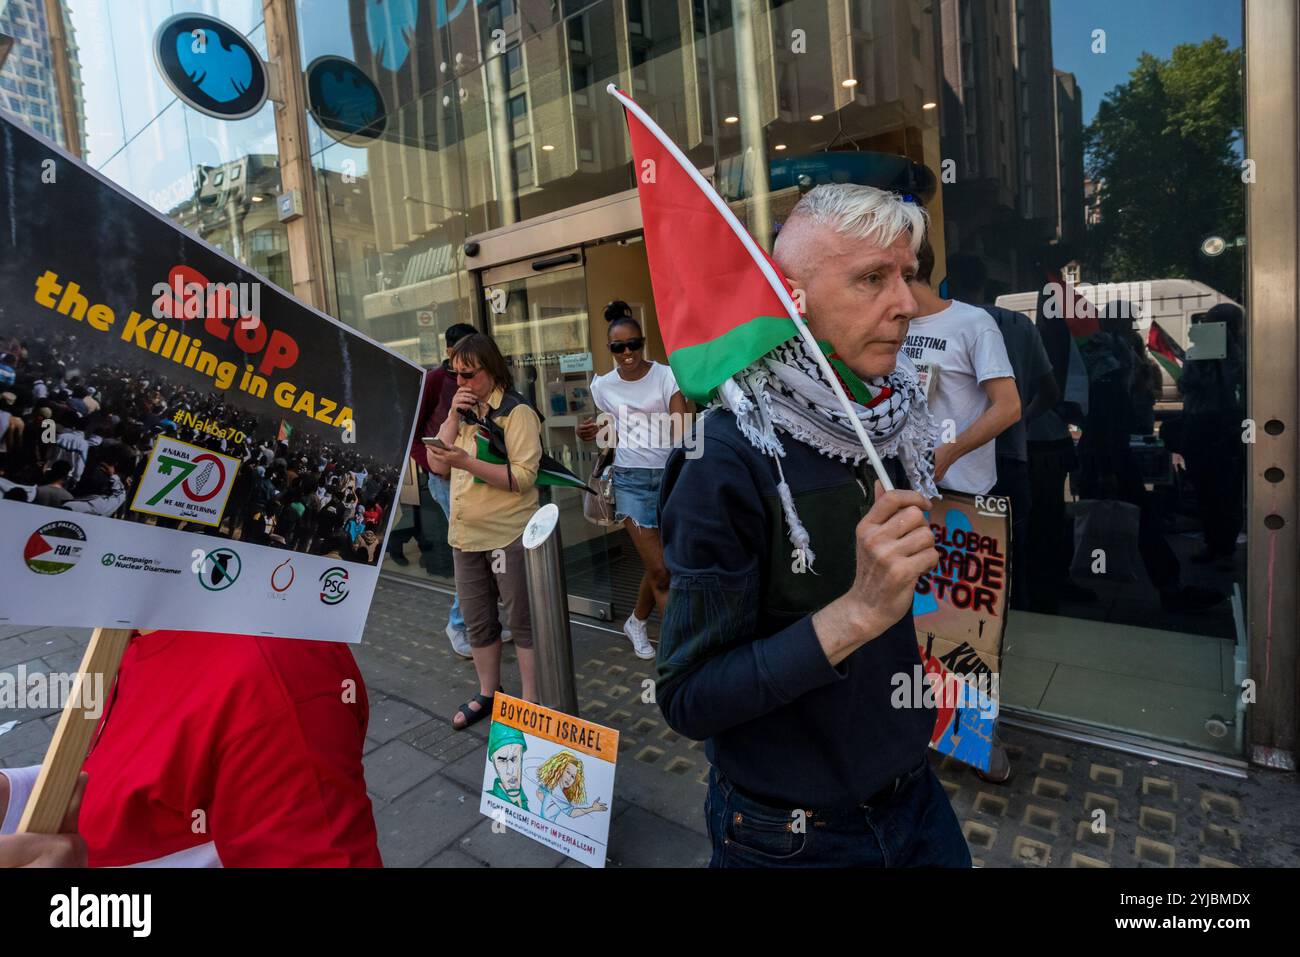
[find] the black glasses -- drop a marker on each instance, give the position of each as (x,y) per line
(466,376)
(620,347)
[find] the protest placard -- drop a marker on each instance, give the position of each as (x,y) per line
(960,611)
(550,776)
(189,445)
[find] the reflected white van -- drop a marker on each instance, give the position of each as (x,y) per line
(1174,303)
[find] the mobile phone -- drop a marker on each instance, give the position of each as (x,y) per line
(435,442)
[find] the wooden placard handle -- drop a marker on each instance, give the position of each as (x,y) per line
(53,790)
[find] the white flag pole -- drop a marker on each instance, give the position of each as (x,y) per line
(768,272)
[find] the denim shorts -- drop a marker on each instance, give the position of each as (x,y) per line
(636,495)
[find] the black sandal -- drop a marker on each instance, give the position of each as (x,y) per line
(471,716)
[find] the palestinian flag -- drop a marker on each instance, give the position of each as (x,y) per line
(491,447)
(716,291)
(1165,350)
(286,430)
(860,392)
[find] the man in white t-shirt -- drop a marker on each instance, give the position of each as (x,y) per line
(969,382)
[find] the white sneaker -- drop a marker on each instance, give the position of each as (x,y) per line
(505,635)
(634,628)
(459,641)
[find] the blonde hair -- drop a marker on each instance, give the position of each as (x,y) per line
(552,770)
(862,212)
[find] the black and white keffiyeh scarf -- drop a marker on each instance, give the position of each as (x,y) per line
(787,390)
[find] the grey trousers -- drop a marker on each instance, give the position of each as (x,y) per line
(483,578)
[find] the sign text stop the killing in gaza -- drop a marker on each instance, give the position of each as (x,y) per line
(188,295)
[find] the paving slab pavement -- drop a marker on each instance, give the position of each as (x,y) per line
(424,776)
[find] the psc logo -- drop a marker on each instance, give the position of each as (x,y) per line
(334,585)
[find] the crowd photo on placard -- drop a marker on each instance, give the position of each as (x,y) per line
(78,438)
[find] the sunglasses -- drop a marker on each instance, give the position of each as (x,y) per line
(620,347)
(466,376)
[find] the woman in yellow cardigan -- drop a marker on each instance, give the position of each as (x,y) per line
(490,505)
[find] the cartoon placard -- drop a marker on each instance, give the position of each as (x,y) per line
(550,776)
(960,613)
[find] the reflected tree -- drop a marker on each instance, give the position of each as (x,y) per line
(1166,147)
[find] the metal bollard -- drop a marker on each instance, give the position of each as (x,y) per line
(548,600)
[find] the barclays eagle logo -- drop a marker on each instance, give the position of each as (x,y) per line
(219,66)
(349,99)
(390,27)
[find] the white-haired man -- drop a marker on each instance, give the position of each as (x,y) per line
(787,671)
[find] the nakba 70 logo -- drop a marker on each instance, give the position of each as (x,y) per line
(186,482)
(334,585)
(200,478)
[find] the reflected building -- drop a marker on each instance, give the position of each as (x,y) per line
(232,206)
(1071,181)
(29,89)
(1091,201)
(497,115)
(1014,126)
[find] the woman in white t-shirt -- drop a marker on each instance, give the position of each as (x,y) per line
(645,415)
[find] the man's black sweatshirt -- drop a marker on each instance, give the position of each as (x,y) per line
(739,663)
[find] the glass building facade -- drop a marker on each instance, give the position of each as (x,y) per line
(1105,149)
(28,89)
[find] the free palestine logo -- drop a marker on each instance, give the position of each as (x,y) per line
(334,585)
(54,548)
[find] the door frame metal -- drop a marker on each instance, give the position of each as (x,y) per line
(529,266)
(1272,43)
(1141,746)
(590,222)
